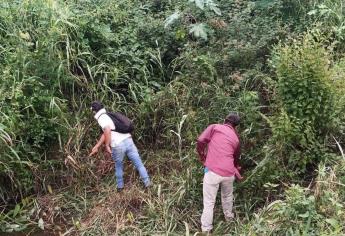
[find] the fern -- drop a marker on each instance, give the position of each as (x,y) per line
(208,3)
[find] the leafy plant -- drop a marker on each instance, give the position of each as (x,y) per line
(331,14)
(198,30)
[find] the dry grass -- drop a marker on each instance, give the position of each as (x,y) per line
(48,208)
(115,211)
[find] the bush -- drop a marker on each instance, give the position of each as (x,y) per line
(304,83)
(305,211)
(306,98)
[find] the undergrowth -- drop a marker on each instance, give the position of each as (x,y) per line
(174,67)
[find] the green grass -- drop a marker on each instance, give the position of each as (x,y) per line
(57,56)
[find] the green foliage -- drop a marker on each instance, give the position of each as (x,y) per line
(208,3)
(199,31)
(304,83)
(306,113)
(30,87)
(190,17)
(55,58)
(330,16)
(17,219)
(174,67)
(245,35)
(306,97)
(305,211)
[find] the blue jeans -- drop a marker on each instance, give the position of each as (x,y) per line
(128,147)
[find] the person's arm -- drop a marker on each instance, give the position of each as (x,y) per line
(105,122)
(107,138)
(237,155)
(98,144)
(201,147)
(237,174)
(202,142)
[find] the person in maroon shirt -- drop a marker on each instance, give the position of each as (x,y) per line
(219,149)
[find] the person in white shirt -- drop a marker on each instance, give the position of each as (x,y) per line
(117,144)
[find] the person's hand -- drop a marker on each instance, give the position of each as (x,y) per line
(93,151)
(202,158)
(240,178)
(108,149)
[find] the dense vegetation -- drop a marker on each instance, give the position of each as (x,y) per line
(174,67)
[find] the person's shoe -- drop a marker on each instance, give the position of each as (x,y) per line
(229,219)
(148,184)
(206,233)
(119,190)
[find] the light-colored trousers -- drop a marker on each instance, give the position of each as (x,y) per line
(210,189)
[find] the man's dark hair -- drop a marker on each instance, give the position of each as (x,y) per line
(96,106)
(233,119)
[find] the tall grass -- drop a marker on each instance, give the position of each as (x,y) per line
(57,56)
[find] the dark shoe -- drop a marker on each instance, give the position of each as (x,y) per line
(119,190)
(148,184)
(206,233)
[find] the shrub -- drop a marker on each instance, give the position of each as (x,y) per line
(306,99)
(316,210)
(304,83)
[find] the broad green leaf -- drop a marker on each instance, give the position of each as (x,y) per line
(305,215)
(199,31)
(324,11)
(332,222)
(200,4)
(171,19)
(213,6)
(216,10)
(50,190)
(41,223)
(312,12)
(16,210)
(12,227)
